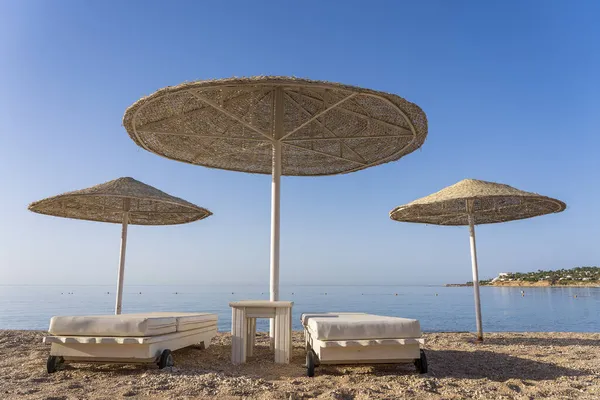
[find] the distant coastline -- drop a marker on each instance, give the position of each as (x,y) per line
(574,277)
(544,284)
(528,284)
(458,284)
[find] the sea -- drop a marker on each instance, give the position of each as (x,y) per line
(438,308)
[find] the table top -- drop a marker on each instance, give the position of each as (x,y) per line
(261,304)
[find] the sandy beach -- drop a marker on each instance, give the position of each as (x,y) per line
(506,366)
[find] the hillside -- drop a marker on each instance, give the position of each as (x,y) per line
(579,276)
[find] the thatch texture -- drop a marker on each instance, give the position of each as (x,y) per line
(492,202)
(107,203)
(329,128)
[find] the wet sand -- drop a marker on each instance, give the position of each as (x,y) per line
(506,366)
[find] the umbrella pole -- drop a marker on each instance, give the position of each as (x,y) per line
(275,202)
(475,273)
(122,257)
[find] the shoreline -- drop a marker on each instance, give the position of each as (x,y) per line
(531,285)
(507,365)
(544,287)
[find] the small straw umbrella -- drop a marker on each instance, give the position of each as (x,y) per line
(123,201)
(471,202)
(277,126)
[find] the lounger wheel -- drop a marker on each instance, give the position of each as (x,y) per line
(53,363)
(421,363)
(311,362)
(166,359)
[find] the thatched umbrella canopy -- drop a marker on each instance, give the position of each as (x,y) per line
(471,202)
(278,126)
(125,201)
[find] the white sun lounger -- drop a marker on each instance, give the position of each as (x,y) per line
(358,338)
(127,338)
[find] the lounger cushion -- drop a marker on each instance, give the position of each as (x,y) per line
(112,325)
(356,326)
(187,321)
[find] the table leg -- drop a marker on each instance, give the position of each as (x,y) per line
(283,335)
(289,342)
(272,338)
(251,332)
(239,337)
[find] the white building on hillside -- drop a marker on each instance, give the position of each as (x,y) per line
(501,276)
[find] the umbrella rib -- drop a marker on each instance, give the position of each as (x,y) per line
(322,125)
(455,218)
(62,206)
(513,205)
(231,115)
(347,138)
(233,153)
(462,214)
(352,151)
(193,135)
(162,212)
(317,115)
(308,113)
(248,111)
(172,117)
(367,117)
(325,154)
(103,209)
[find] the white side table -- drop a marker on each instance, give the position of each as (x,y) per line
(243,328)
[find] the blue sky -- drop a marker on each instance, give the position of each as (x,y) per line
(510,90)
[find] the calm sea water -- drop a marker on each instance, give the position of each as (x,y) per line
(438,308)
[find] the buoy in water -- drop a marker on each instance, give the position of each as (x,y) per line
(396,294)
(575,296)
(436,294)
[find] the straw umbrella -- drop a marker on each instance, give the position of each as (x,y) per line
(277,126)
(471,202)
(124,201)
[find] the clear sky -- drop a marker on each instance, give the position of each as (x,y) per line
(511,91)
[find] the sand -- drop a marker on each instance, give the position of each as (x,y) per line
(506,366)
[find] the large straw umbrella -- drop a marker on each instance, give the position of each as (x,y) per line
(122,201)
(277,126)
(471,202)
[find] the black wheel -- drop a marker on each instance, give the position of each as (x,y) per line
(311,358)
(166,359)
(421,363)
(53,363)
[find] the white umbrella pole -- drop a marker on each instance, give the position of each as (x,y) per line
(122,257)
(275,201)
(475,277)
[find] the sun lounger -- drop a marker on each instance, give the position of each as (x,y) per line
(355,338)
(127,338)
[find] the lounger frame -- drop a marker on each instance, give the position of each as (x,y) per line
(374,351)
(125,349)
